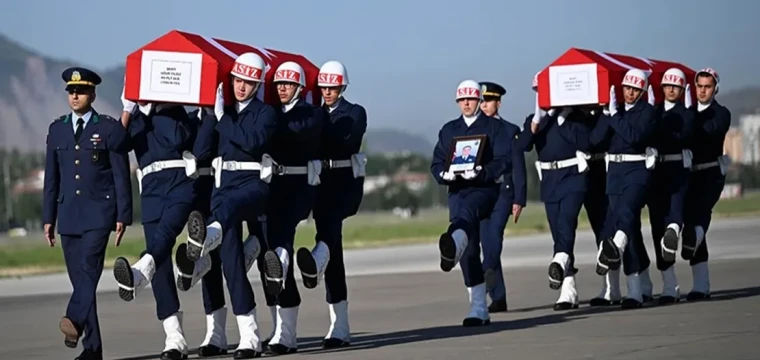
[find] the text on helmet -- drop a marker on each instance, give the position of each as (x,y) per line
(633,80)
(328,78)
(246,70)
(673,79)
(468,91)
(291,75)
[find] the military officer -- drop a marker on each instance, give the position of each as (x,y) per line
(241,178)
(338,198)
(628,132)
(88,194)
(711,123)
(512,199)
(472,191)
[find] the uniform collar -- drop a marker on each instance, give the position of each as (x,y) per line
(90,115)
(702,107)
(338,104)
(241,105)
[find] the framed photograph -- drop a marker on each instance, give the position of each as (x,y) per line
(465,153)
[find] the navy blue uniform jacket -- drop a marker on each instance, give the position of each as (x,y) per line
(672,134)
(710,128)
(87,183)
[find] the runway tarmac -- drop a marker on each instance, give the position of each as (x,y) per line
(403,307)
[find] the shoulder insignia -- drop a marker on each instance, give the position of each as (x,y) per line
(61,118)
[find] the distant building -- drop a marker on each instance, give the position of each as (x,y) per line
(32,183)
(750,129)
(733,145)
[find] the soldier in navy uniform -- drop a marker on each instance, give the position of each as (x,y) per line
(561,139)
(88,194)
(628,131)
(709,166)
(338,198)
(472,193)
(512,199)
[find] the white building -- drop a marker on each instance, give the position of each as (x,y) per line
(750,128)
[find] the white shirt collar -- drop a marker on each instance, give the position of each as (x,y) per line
(240,105)
(701,107)
(334,106)
(86,117)
(669,105)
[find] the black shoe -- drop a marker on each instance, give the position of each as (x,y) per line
(669,246)
(556,276)
(629,303)
(609,257)
(308,267)
(273,273)
(71,332)
(667,300)
(211,350)
(333,343)
(122,271)
(471,322)
(184,266)
(88,354)
(279,349)
(196,230)
(565,305)
(646,299)
(689,242)
(173,354)
(697,296)
(498,306)
(246,354)
(448,249)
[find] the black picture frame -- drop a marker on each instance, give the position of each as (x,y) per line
(472,141)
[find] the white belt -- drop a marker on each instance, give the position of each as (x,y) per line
(219,165)
(685,157)
(722,162)
(357,162)
(188,163)
(650,158)
(580,160)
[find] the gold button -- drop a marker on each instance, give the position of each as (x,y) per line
(76,147)
(76,162)
(78,192)
(77,176)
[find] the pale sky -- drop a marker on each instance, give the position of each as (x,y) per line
(406,57)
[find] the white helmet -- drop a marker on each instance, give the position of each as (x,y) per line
(332,73)
(635,78)
(290,72)
(674,77)
(535,80)
(249,66)
(469,89)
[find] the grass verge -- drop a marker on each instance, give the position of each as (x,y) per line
(31,255)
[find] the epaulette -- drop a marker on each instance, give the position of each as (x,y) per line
(60,118)
(107,117)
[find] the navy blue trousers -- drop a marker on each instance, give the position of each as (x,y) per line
(84,255)
(703,193)
(466,209)
(232,207)
(596,201)
(665,201)
(492,241)
(160,237)
(563,222)
(625,215)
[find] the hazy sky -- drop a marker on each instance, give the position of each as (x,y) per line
(406,57)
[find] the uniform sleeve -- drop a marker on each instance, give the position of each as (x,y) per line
(171,128)
(686,131)
(519,174)
(137,124)
(358,126)
(525,139)
(205,143)
(634,128)
(576,134)
(308,126)
(440,153)
(250,132)
(122,180)
(502,155)
(600,130)
(719,124)
(51,183)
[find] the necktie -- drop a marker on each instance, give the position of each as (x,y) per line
(80,128)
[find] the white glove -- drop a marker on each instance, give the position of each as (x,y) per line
(219,103)
(613,101)
(145,109)
(536,113)
(469,174)
(687,97)
(563,115)
(128,105)
(447,175)
(650,95)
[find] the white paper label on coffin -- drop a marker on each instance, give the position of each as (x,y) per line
(573,84)
(170,76)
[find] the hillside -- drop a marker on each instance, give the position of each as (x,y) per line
(31,96)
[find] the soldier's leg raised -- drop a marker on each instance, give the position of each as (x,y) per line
(627,240)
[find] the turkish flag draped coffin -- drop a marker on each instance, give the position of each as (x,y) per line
(185,68)
(584,77)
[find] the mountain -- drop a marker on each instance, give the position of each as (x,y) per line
(31,96)
(741,102)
